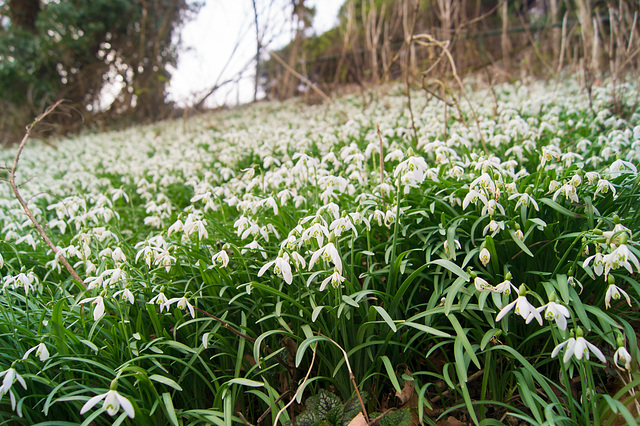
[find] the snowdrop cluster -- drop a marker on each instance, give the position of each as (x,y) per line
(163,219)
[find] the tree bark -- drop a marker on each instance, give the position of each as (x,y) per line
(24,14)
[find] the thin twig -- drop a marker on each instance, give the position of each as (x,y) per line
(268,410)
(12,181)
(293,398)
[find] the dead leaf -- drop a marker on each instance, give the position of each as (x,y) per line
(407,392)
(358,420)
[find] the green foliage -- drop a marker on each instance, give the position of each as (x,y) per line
(325,408)
(223,266)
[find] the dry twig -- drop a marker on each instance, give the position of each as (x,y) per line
(12,181)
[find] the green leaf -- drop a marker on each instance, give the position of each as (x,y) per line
(385,316)
(519,242)
(245,382)
(452,267)
(165,381)
(168,405)
(426,329)
(391,373)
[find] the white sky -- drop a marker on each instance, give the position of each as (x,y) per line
(209,40)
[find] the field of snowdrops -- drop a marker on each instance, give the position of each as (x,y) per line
(477,264)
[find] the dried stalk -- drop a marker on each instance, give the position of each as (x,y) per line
(295,395)
(12,181)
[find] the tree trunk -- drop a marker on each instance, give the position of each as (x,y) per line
(24,14)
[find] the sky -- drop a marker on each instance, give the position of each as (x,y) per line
(208,42)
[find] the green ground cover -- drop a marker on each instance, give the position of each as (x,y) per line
(476,261)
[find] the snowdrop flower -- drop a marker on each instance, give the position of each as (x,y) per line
(491,206)
(328,252)
(318,231)
(569,191)
(1,261)
(98,310)
(622,354)
(621,257)
(341,225)
(604,186)
(126,295)
(220,259)
(160,299)
(485,256)
(522,307)
(336,279)
(10,377)
(555,312)
(519,235)
(281,267)
(614,292)
(472,197)
(598,263)
(493,227)
(298,260)
(524,200)
(253,246)
(448,252)
(181,303)
(578,347)
(112,403)
(482,285)
(41,352)
(505,286)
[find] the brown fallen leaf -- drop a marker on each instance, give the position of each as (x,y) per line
(407,392)
(358,420)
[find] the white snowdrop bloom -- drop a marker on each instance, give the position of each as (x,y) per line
(298,260)
(126,295)
(99,309)
(554,185)
(253,247)
(472,197)
(112,403)
(598,263)
(160,299)
(335,279)
(623,257)
(10,377)
(318,231)
(221,259)
(604,186)
(281,267)
(395,155)
(592,177)
(617,167)
(493,227)
(524,200)
(578,347)
(491,206)
(614,292)
(177,226)
(193,224)
(181,303)
(505,286)
(40,350)
(523,308)
(357,218)
(622,356)
(482,285)
(328,253)
(555,312)
(447,251)
(341,225)
(485,256)
(569,191)
(1,261)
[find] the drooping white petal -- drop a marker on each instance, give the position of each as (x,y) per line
(92,402)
